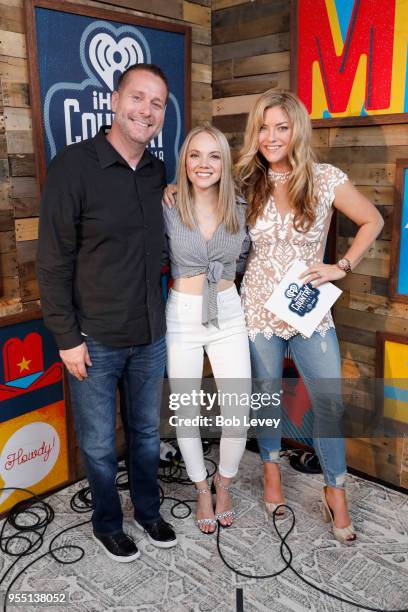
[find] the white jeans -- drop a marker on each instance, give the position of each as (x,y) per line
(228,352)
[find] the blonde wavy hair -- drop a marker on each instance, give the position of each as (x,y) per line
(251,168)
(226,207)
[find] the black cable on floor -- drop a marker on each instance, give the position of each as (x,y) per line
(42,514)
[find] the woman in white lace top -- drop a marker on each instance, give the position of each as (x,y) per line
(290,203)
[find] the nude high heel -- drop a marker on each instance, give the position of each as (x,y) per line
(270,508)
(345,535)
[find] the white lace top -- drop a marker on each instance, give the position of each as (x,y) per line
(275,246)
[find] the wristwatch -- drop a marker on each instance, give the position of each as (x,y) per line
(344,264)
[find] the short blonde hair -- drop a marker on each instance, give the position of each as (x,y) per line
(227,208)
(251,169)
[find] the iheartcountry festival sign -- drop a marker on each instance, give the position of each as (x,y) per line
(77,54)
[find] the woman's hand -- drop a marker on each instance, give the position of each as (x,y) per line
(169,195)
(321,273)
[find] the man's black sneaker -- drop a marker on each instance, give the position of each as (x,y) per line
(160,533)
(119,547)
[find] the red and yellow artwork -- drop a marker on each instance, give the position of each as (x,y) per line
(23,364)
(33,453)
(352,57)
(33,430)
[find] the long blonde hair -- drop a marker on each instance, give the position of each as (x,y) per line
(226,207)
(251,169)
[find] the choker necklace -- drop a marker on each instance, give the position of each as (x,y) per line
(279,177)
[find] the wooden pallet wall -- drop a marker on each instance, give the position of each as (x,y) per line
(19,198)
(251,53)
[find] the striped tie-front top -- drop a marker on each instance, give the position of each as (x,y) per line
(190,254)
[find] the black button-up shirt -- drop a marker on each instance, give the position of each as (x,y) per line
(100,246)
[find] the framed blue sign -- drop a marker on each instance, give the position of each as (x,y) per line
(399,242)
(77,53)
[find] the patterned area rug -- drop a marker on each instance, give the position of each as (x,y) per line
(192,576)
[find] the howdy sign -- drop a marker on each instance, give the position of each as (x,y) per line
(352,57)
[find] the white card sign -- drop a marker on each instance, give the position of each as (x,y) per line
(300,305)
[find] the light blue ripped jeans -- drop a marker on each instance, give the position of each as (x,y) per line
(316,358)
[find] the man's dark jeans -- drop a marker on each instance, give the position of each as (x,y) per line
(141,370)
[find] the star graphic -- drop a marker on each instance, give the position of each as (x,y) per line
(24,363)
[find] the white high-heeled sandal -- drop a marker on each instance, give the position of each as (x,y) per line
(205,521)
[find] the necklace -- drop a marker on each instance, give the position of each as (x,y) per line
(279,177)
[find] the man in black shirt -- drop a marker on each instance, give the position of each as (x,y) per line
(99,261)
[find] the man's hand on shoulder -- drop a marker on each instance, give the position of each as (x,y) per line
(75,360)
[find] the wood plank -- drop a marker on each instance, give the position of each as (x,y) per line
(26,207)
(217,5)
(15,94)
(8,264)
(31,305)
(378,462)
(20,141)
(378,304)
(348,228)
(355,369)
(6,220)
(357,352)
(379,250)
(194,13)
(369,136)
(17,119)
(10,306)
(7,242)
(222,70)
(200,35)
(162,8)
(26,229)
(362,155)
(12,44)
(28,286)
(231,123)
(11,18)
(355,282)
(200,112)
(268,24)
(13,69)
(368,321)
(201,54)
(22,165)
(370,174)
(251,85)
(359,336)
(201,92)
(24,186)
(379,286)
(262,64)
(202,2)
(253,46)
(235,140)
(234,105)
(239,23)
(378,195)
(4,170)
(374,267)
(201,73)
(10,287)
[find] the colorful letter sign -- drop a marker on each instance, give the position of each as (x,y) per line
(352,57)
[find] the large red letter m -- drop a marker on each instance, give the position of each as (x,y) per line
(371,32)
